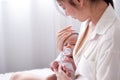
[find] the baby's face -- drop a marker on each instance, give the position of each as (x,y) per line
(70,42)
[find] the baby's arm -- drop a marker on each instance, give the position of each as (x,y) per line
(54,65)
(70,60)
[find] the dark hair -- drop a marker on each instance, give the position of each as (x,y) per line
(72,3)
(107,1)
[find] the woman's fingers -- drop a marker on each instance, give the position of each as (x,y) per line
(61,39)
(62,35)
(58,71)
(67,71)
(64,29)
(63,73)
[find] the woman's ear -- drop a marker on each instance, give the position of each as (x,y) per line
(78,2)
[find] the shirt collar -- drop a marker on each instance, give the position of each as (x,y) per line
(105,22)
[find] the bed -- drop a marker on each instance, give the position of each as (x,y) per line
(42,72)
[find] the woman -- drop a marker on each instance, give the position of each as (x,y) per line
(97,52)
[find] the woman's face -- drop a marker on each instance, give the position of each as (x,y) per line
(69,9)
(70,42)
(76,12)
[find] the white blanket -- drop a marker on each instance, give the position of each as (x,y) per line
(42,72)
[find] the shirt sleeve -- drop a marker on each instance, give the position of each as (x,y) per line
(108,66)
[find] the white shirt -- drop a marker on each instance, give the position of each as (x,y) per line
(99,56)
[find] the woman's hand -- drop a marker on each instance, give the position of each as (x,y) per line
(62,35)
(54,65)
(63,73)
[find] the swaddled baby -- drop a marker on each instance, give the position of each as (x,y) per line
(66,40)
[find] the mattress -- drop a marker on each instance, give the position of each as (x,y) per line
(40,72)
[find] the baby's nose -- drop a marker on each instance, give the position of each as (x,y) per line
(68,46)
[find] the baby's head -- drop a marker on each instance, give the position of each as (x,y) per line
(70,41)
(66,38)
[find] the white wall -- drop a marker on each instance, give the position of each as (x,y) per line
(16,30)
(43,32)
(117,7)
(24,36)
(2,57)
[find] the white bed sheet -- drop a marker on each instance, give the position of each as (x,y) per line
(40,72)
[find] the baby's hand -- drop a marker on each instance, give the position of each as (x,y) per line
(54,65)
(70,60)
